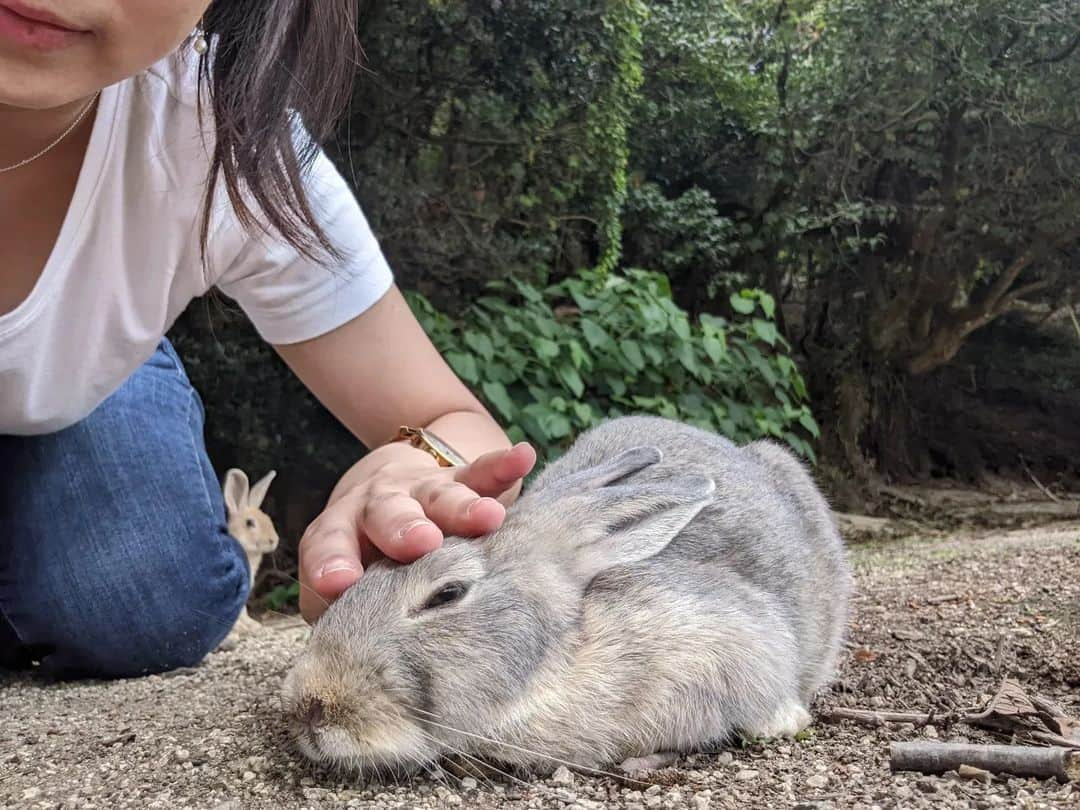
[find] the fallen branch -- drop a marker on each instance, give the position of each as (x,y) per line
(872,718)
(924,757)
(1037,482)
(947,597)
(1011,710)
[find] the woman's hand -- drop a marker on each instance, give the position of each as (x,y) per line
(397,502)
(375,373)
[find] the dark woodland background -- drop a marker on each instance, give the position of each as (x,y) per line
(851,225)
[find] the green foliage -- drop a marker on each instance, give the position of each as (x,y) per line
(491,140)
(887,164)
(283,595)
(552,361)
(685,239)
(610,119)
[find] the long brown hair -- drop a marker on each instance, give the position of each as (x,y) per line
(275,63)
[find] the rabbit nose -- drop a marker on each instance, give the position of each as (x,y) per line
(315,714)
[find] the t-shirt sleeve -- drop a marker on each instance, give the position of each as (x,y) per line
(290,297)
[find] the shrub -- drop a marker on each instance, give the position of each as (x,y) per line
(552,361)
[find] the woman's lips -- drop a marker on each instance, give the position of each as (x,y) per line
(34,28)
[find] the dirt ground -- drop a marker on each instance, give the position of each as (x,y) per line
(937,624)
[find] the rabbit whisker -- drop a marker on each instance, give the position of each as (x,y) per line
(511,746)
(306,588)
(479,763)
(217,619)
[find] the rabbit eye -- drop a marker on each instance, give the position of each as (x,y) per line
(250,523)
(446,595)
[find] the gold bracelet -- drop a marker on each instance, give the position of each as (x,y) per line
(431,444)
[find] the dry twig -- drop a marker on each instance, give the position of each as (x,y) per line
(1018,760)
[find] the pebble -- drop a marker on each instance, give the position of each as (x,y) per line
(746,775)
(818,780)
(468,783)
(653,790)
(701,801)
(31,793)
(562,776)
(930,732)
(927,785)
(182,755)
(724,760)
(248,776)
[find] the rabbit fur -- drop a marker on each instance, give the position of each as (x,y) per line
(656,589)
(253,530)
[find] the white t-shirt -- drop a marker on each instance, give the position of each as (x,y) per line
(127,260)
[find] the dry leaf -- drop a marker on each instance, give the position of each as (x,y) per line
(971,772)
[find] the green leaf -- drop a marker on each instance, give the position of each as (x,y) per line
(481,344)
(768,304)
(544,348)
(681,327)
(808,422)
(528,292)
(464,365)
(571,379)
(556,425)
(766,330)
(498,396)
(743,306)
(713,348)
(578,356)
(283,595)
(594,334)
(583,411)
(632,351)
(685,354)
(786,365)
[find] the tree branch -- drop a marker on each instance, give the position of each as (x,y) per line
(1060,57)
(947,339)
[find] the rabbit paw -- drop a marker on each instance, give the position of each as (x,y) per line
(653,762)
(787,721)
(245,625)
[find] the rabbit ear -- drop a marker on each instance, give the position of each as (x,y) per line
(631,522)
(259,488)
(235,490)
(607,472)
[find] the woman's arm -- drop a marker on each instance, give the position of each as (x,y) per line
(376,373)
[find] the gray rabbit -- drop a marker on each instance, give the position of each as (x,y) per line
(654,590)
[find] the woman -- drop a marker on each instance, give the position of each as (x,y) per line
(148,152)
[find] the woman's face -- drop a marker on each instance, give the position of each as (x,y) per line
(54,52)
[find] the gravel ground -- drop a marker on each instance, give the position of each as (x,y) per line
(938,623)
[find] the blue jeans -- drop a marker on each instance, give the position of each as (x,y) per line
(114,557)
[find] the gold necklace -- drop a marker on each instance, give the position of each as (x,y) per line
(61,137)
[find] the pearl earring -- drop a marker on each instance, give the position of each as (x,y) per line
(198,44)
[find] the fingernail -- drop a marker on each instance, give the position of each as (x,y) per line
(473,505)
(337,564)
(408,527)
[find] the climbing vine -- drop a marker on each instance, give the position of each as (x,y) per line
(610,120)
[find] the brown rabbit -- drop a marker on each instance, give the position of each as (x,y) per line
(252,528)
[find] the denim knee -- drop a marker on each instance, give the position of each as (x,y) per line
(141,615)
(114,557)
